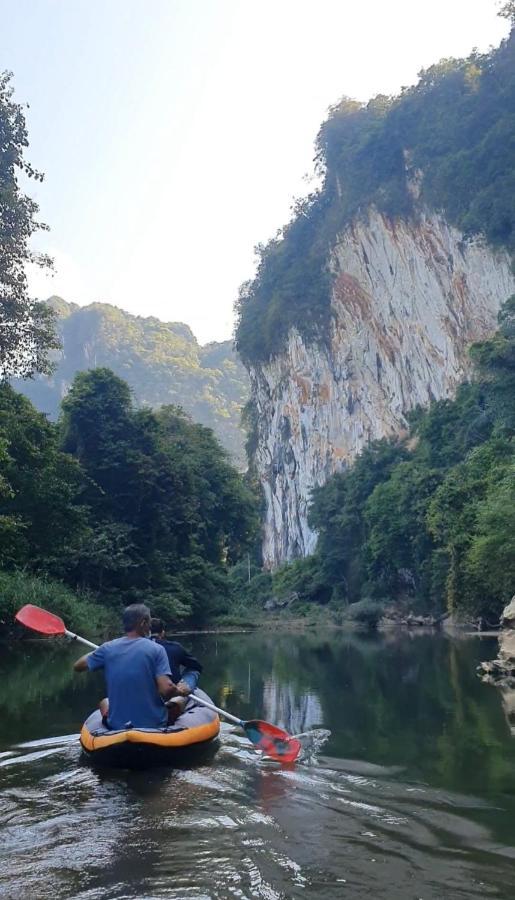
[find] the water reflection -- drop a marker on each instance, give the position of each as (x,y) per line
(413,797)
(398,700)
(283,706)
(508,705)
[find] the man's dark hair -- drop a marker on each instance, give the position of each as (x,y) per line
(133,615)
(157,626)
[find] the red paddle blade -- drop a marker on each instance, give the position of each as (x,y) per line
(273,741)
(40,620)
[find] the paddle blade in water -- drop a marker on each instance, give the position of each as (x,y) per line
(274,742)
(40,620)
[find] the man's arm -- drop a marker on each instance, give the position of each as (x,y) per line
(162,673)
(191,669)
(165,686)
(81,665)
(91,661)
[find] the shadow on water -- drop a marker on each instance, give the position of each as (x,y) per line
(413,795)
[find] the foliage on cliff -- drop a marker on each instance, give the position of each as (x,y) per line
(161,361)
(26,327)
(120,503)
(430,518)
(448,143)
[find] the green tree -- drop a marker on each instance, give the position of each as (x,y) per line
(452,516)
(490,558)
(169,512)
(507,11)
(398,546)
(26,326)
(338,514)
(42,519)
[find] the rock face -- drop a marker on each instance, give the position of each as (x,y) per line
(408,298)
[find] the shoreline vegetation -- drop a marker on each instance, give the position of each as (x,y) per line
(453,628)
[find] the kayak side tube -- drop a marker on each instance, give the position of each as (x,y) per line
(197,725)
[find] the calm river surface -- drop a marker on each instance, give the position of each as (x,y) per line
(412,796)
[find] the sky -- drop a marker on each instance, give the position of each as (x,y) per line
(175,134)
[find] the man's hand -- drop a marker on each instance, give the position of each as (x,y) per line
(183,689)
(166,687)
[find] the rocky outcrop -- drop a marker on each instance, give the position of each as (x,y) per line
(501,671)
(508,615)
(408,298)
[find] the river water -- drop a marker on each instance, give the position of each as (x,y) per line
(411,796)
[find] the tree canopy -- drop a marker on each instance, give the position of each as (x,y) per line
(124,503)
(26,326)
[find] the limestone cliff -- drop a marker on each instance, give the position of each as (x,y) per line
(407,300)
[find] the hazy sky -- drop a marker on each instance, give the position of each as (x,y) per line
(174,134)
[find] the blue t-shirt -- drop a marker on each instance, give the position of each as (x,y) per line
(131,667)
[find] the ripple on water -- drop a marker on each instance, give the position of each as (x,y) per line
(238,827)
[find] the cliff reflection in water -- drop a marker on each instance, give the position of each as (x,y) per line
(282,705)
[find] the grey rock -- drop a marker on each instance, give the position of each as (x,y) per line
(508,615)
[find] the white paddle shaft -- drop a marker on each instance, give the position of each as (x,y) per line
(221,712)
(81,640)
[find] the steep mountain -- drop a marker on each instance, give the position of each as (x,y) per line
(161,361)
(364,306)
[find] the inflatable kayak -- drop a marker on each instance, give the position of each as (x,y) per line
(192,734)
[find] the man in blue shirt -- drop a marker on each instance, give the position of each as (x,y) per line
(137,673)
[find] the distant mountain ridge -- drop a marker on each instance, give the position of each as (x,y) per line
(162,362)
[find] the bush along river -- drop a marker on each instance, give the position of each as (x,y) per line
(411,796)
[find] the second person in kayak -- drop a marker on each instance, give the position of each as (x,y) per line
(185,669)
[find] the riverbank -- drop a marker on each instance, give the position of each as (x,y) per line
(85,615)
(81,613)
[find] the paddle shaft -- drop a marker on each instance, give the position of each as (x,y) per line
(221,712)
(77,637)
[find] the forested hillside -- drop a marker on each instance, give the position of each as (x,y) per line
(447,143)
(161,361)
